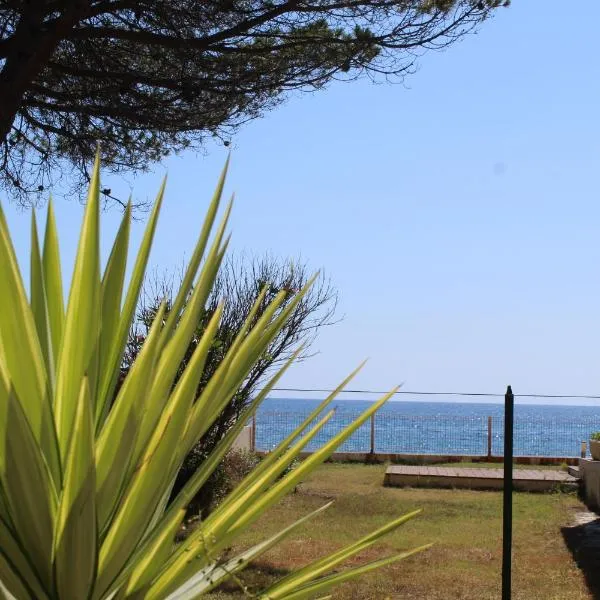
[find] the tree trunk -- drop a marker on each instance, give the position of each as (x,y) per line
(27,52)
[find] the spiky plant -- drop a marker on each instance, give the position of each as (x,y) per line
(85,477)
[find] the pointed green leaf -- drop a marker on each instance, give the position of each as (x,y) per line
(173,517)
(176,347)
(151,475)
(76,528)
(318,567)
(82,323)
(112,290)
(273,456)
(53,284)
(20,346)
(27,484)
(211,536)
(206,469)
(324,584)
(116,444)
(110,375)
(192,268)
(213,575)
(15,569)
(12,587)
(38,300)
(280,488)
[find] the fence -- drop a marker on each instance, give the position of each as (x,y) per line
(446,435)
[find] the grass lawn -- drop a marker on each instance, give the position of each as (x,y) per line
(465,526)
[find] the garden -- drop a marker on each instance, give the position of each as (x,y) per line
(465,526)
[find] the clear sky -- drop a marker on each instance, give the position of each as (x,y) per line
(458,214)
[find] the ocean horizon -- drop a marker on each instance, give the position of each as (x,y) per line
(439,427)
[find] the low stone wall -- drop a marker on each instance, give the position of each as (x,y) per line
(431,459)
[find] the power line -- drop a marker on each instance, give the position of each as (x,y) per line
(419,393)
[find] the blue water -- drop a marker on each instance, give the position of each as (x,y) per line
(436,427)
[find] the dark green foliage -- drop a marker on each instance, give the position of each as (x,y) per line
(239,283)
(152,77)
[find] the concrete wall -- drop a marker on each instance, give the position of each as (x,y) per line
(244,440)
(590,482)
(431,459)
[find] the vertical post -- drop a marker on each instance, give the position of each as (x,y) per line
(372,434)
(489,454)
(509,401)
(253,434)
(583,448)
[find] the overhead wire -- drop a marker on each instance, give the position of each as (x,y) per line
(426,393)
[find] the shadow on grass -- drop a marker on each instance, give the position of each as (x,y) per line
(255,576)
(583,541)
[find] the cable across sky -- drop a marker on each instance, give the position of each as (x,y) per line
(422,393)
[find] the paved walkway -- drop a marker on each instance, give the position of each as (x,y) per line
(523,479)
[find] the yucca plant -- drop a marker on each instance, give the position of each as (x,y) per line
(86,476)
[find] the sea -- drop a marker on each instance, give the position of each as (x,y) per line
(417,427)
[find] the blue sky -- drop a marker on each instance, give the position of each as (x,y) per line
(458,214)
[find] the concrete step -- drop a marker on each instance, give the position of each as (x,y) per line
(476,478)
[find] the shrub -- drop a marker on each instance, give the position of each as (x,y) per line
(85,481)
(595,436)
(239,281)
(236,465)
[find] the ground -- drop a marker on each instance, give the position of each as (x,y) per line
(464,525)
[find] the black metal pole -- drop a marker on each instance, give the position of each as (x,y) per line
(509,402)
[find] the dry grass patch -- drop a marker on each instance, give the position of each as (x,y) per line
(465,526)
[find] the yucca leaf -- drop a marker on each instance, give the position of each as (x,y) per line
(151,475)
(250,350)
(324,584)
(116,444)
(158,546)
(175,348)
(235,515)
(108,532)
(38,300)
(228,377)
(211,535)
(283,455)
(76,527)
(279,489)
(53,284)
(322,565)
(206,469)
(195,370)
(210,577)
(197,254)
(27,484)
(155,553)
(15,569)
(275,454)
(82,322)
(12,587)
(112,290)
(20,347)
(110,376)
(191,380)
